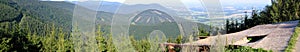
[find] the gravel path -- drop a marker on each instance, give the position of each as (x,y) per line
(277,37)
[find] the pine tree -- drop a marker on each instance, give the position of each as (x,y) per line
(110,46)
(227,26)
(101,40)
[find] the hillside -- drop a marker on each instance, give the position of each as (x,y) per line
(8,13)
(147,21)
(35,14)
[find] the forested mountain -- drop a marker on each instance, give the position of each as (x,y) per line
(8,13)
(22,21)
(35,13)
(33,25)
(149,20)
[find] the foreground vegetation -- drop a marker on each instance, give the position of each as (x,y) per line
(231,48)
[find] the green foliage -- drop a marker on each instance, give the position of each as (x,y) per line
(232,48)
(203,32)
(249,39)
(101,41)
(54,39)
(104,44)
(7,13)
(12,39)
(24,26)
(140,45)
(13,10)
(146,45)
(233,25)
(109,45)
(4,44)
(179,39)
(169,29)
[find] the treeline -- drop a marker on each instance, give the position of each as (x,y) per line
(19,38)
(42,11)
(16,38)
(279,11)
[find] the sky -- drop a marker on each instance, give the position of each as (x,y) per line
(190,3)
(195,1)
(226,4)
(226,1)
(187,1)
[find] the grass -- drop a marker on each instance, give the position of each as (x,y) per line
(293,40)
(231,48)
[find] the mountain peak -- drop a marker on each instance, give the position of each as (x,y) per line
(152,16)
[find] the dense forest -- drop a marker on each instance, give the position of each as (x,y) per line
(33,26)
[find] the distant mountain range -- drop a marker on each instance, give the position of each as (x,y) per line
(230,11)
(120,8)
(152,16)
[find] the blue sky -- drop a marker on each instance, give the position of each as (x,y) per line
(225,1)
(187,1)
(191,3)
